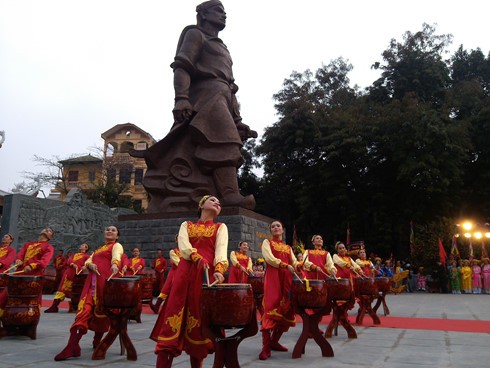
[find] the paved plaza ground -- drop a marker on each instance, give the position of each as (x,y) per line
(376,346)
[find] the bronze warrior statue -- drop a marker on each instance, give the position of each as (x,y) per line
(201,152)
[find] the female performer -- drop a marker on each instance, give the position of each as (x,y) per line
(175,257)
(366,265)
(242,265)
(278,312)
(466,277)
(318,262)
(7,253)
(103,263)
(485,271)
(204,247)
(476,276)
(346,267)
(75,262)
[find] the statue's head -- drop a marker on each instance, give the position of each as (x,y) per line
(211,12)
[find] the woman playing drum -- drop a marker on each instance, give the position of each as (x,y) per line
(103,263)
(278,312)
(318,262)
(7,253)
(75,263)
(366,265)
(175,257)
(204,247)
(242,265)
(346,267)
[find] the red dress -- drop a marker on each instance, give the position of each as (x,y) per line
(7,255)
(90,313)
(237,276)
(136,266)
(66,283)
(175,258)
(37,255)
(278,280)
(160,266)
(366,267)
(178,326)
(320,258)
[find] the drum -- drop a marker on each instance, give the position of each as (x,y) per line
(227,305)
(77,288)
(339,289)
(383,284)
(366,286)
(257,283)
(310,293)
(148,281)
(123,292)
(49,280)
(23,297)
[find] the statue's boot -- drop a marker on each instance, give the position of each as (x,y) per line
(72,349)
(225,180)
(54,306)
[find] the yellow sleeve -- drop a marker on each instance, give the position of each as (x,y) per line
(174,258)
(221,250)
(117,252)
(329,266)
(339,261)
(268,256)
(185,246)
(250,266)
(233,259)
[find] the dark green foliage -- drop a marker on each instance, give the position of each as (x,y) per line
(414,146)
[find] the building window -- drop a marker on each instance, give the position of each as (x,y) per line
(72,175)
(138,176)
(91,175)
(111,174)
(125,176)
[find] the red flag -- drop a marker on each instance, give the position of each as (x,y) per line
(442,253)
(347,240)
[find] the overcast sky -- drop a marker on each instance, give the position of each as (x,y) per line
(70,70)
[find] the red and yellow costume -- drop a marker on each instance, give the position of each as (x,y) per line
(66,284)
(236,274)
(7,256)
(59,263)
(343,265)
(37,255)
(178,326)
(366,266)
(175,258)
(319,258)
(159,264)
(278,280)
(90,313)
(136,266)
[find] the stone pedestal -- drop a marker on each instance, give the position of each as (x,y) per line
(150,232)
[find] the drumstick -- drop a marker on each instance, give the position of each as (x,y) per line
(214,283)
(14,266)
(79,272)
(206,276)
(295,274)
(110,277)
(17,272)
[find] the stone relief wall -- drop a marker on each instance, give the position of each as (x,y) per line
(75,221)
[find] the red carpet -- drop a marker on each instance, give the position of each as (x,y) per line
(455,325)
